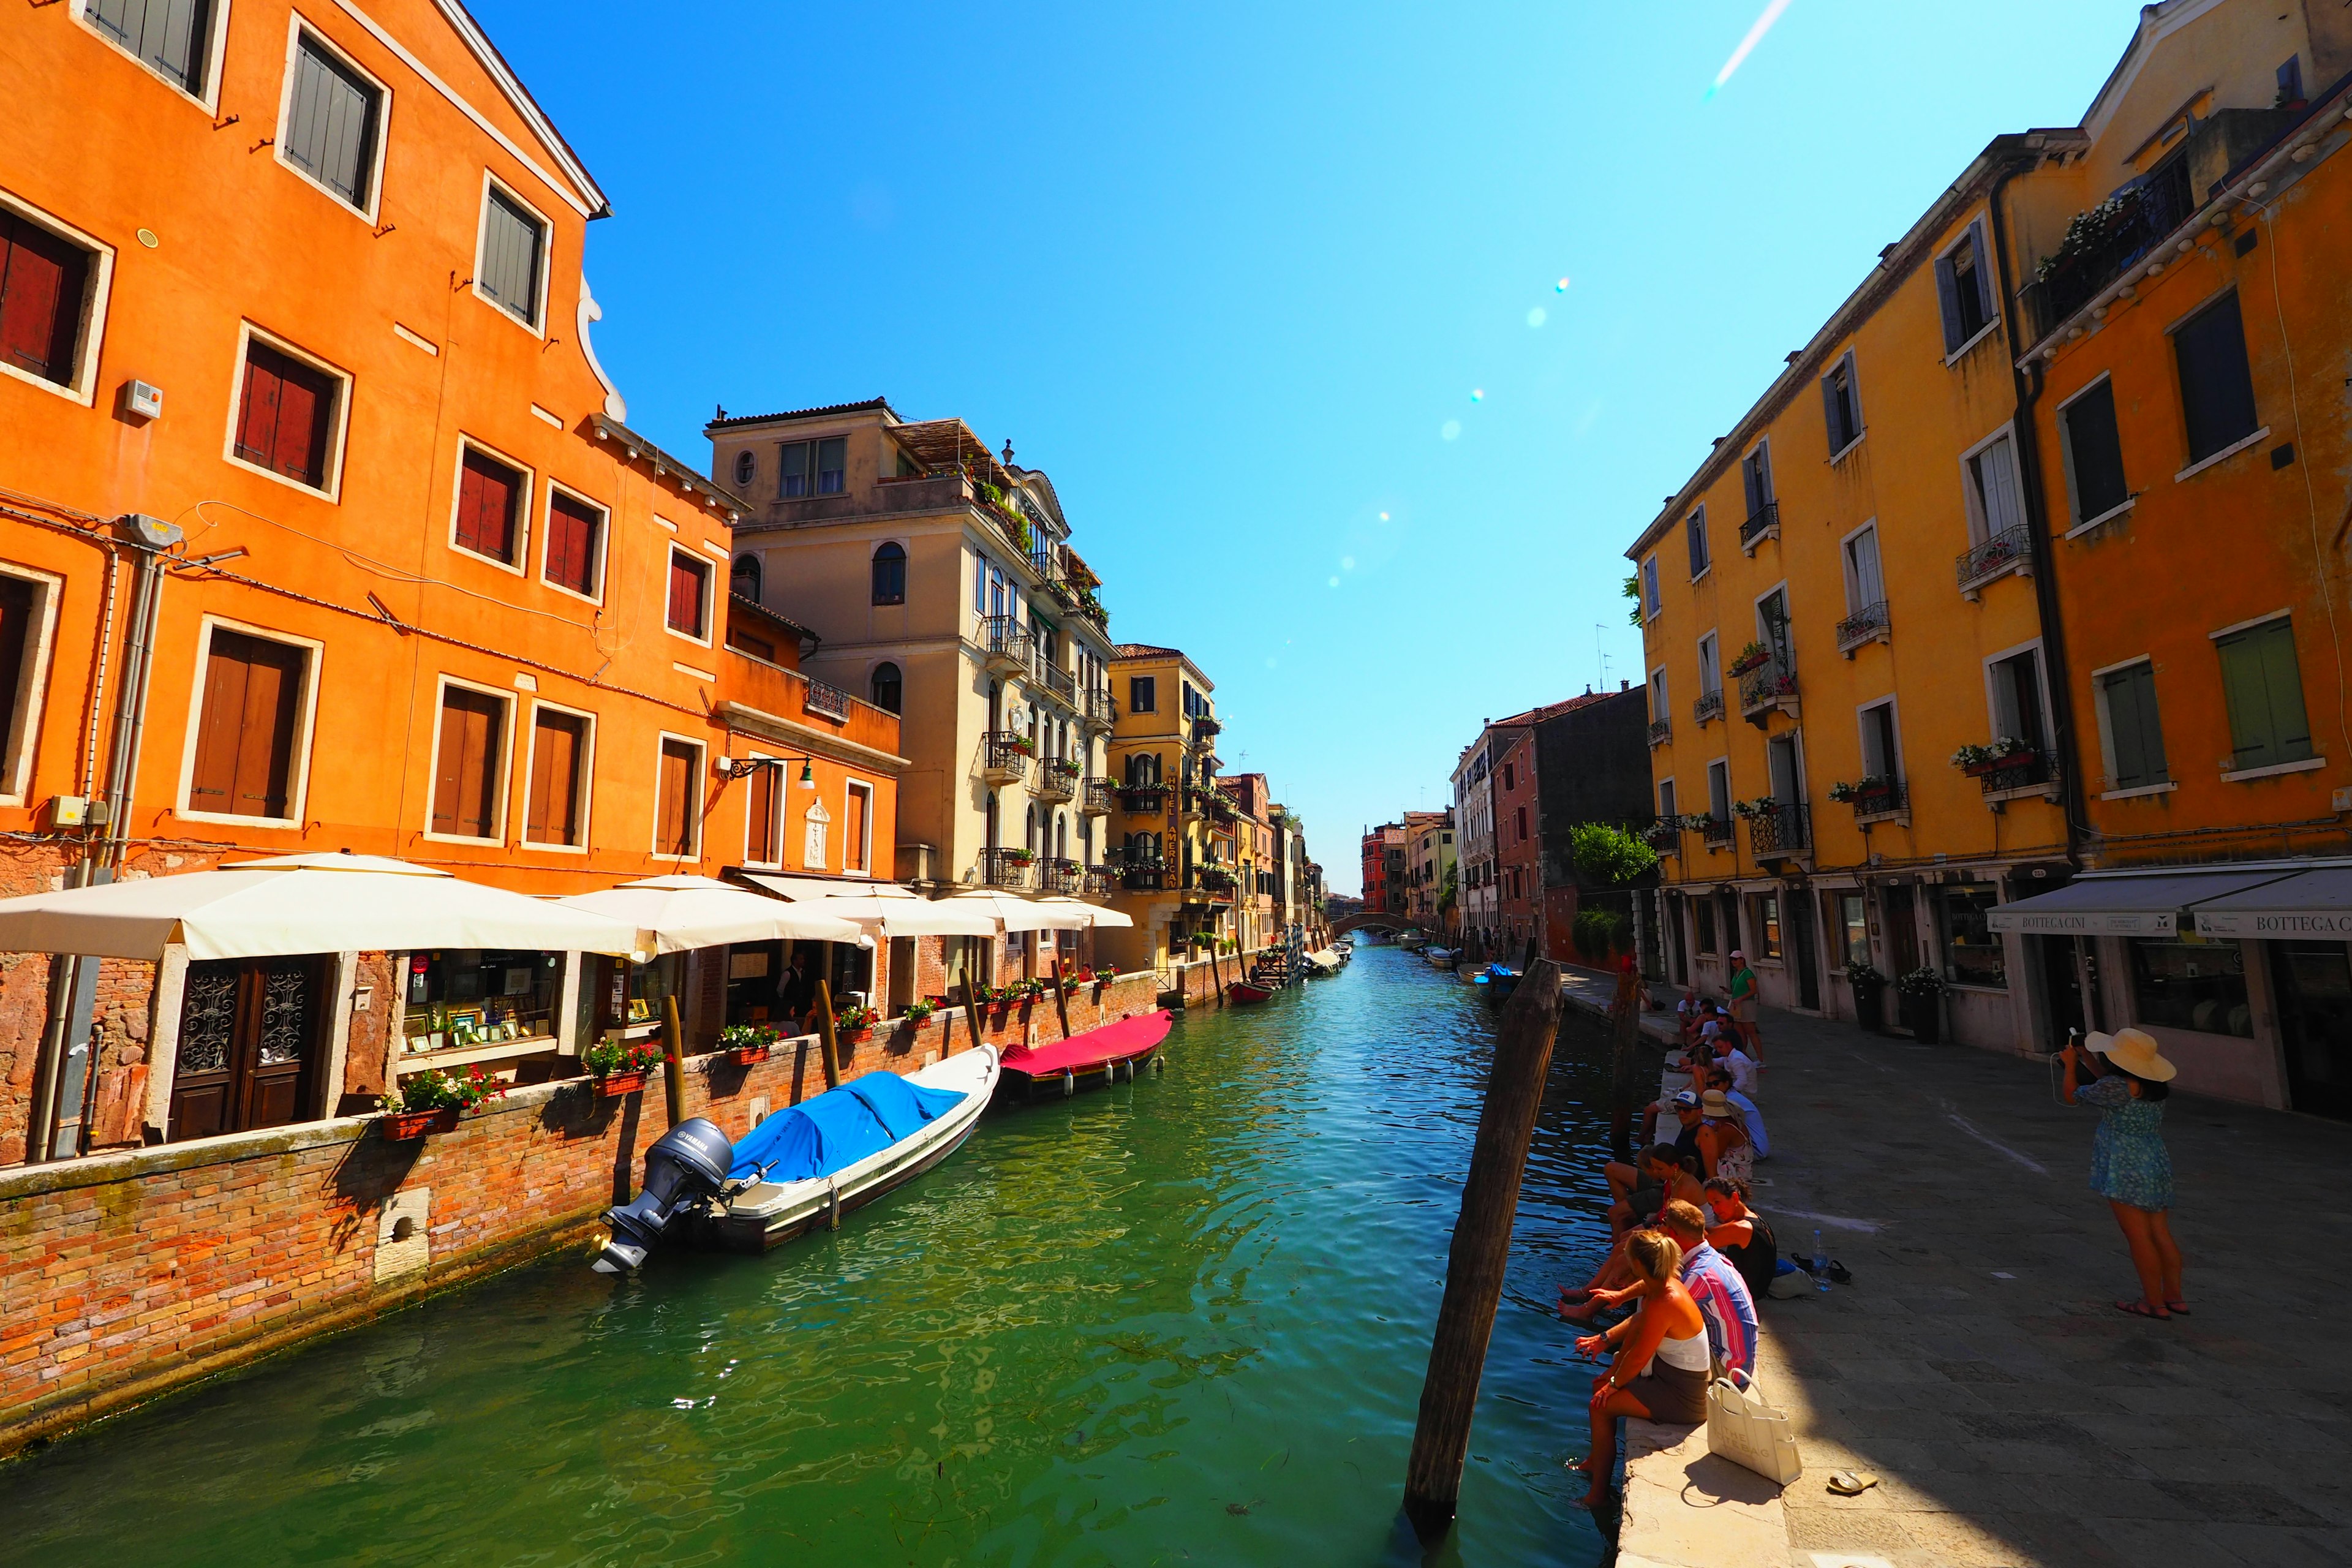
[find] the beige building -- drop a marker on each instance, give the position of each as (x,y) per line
(1174,831)
(939,582)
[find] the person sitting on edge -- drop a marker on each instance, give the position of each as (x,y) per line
(1724,1149)
(1740,1233)
(1675,1179)
(1624,1179)
(1718,1078)
(1689,1013)
(1740,1066)
(1661,1369)
(1743,1005)
(1714,1282)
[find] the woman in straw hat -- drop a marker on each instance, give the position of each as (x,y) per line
(1724,1147)
(2129,1166)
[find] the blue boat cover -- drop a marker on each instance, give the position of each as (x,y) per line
(839,1128)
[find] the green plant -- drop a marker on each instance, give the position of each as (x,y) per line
(1863,975)
(852,1018)
(2002,746)
(1599,932)
(1752,657)
(1633,590)
(744,1036)
(1610,855)
(2090,230)
(434,1089)
(1756,810)
(915,1012)
(607,1057)
(1231,944)
(1922,981)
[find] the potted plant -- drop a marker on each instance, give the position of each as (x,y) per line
(1022,745)
(1868,985)
(1923,1005)
(746,1043)
(617,1067)
(2007,751)
(915,1012)
(1019,857)
(852,1022)
(1755,656)
(1066,768)
(431,1100)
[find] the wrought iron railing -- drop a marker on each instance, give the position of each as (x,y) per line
(1005,640)
(1151,797)
(1099,709)
(1864,625)
(1008,754)
(1058,875)
(2141,218)
(1766,521)
(1057,780)
(1006,867)
(1765,684)
(1708,705)
(2029,770)
(1097,794)
(1661,731)
(1981,564)
(830,701)
(1717,834)
(1100,880)
(1872,801)
(1780,830)
(1060,683)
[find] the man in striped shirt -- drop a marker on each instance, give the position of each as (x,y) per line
(1721,1294)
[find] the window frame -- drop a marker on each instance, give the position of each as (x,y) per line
(306,706)
(2041,691)
(249,333)
(873,674)
(662,740)
(852,786)
(704,564)
(1696,540)
(1854,603)
(775,816)
(1846,363)
(1758,459)
(1151,684)
(217,35)
(1660,709)
(1862,713)
(23,722)
(536,325)
(2107,736)
(297,27)
(1980,524)
(1973,232)
(1729,796)
(2082,524)
(873,558)
(546,517)
(2192,464)
(2318,759)
(524,503)
(97,291)
(1709,638)
(586,778)
(443,683)
(1653,599)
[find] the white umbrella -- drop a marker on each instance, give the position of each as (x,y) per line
(885,904)
(1096,915)
(1027,914)
(299,903)
(682,912)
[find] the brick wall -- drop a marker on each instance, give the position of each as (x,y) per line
(124,1275)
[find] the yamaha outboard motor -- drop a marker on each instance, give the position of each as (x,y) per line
(686,1168)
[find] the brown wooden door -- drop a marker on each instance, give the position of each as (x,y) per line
(249,1034)
(1895,909)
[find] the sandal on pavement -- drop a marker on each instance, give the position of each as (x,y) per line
(1852,1483)
(2142,1309)
(2177,1308)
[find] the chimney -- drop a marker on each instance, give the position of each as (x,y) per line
(1624,684)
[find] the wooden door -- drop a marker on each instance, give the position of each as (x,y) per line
(1894,906)
(249,1036)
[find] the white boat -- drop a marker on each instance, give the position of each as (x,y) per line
(768,1214)
(1441,957)
(1411,940)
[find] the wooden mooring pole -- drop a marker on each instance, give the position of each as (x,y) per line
(827,1048)
(1482,1245)
(1061,998)
(673,1061)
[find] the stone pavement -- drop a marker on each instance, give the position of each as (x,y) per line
(1977,1363)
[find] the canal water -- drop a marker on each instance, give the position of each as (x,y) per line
(1182,1320)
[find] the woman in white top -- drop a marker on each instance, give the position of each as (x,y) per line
(1661,1369)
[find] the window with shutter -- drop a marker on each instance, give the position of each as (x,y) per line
(2217,389)
(1864,584)
(832,466)
(1964,289)
(330,122)
(575,535)
(2094,454)
(1756,478)
(489,503)
(1695,532)
(244,731)
(559,748)
(514,244)
(855,825)
(20,605)
(2263,687)
(1718,791)
(1144,694)
(286,416)
(676,818)
(2134,740)
(43,279)
(1995,503)
(2016,699)
(169,36)
(792,470)
(465,771)
(1841,406)
(1710,668)
(761,846)
(690,582)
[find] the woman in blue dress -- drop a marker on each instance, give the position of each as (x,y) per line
(2129,1166)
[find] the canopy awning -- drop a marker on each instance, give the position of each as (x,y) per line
(676,913)
(2133,904)
(892,910)
(2316,903)
(1026,914)
(300,903)
(1097,916)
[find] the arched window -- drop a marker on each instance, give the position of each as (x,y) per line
(887,688)
(743,577)
(890,575)
(1029,833)
(747,468)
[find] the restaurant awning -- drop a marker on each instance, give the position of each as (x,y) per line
(1097,916)
(2123,904)
(1026,914)
(2316,903)
(892,910)
(300,903)
(676,913)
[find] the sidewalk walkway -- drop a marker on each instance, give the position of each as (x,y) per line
(1976,1362)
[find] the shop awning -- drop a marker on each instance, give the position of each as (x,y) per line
(1026,914)
(676,913)
(891,909)
(2131,904)
(2317,903)
(1097,916)
(300,903)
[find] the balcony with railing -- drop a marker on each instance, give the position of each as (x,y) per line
(1664,835)
(1095,797)
(1006,644)
(1057,780)
(1717,834)
(1060,685)
(1101,881)
(2020,776)
(2103,241)
(1764,525)
(1780,831)
(1206,731)
(1865,625)
(1007,869)
(1143,876)
(1005,756)
(1769,686)
(1661,731)
(1707,705)
(831,701)
(1879,800)
(1097,706)
(1058,875)
(2011,550)
(1148,799)
(1216,881)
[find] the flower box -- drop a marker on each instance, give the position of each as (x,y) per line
(747,1056)
(611,1085)
(405,1126)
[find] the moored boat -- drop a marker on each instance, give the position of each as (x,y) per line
(1441,957)
(1499,983)
(1107,1054)
(1243,990)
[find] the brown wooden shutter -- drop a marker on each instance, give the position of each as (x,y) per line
(685,580)
(466,782)
(488,494)
(557,749)
(257,419)
(284,421)
(853,842)
(674,830)
(42,280)
(244,736)
(761,834)
(571,529)
(19,601)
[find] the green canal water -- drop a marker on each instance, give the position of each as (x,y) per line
(1183,1320)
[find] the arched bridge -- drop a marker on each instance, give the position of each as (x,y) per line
(1381,920)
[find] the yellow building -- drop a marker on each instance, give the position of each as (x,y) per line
(1173,830)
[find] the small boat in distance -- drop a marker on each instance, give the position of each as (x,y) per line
(1243,990)
(1441,957)
(1111,1052)
(1499,981)
(1412,940)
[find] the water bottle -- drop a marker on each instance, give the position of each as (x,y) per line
(1820,1269)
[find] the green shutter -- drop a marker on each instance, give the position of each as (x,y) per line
(2290,726)
(2264,691)
(2132,726)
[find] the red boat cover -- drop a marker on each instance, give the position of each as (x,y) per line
(1084,1053)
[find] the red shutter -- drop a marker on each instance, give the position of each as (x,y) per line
(42,280)
(674,830)
(488,491)
(555,778)
(257,422)
(571,529)
(244,736)
(18,599)
(284,422)
(466,783)
(686,577)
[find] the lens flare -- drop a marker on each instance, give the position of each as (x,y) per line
(1449,431)
(1560,287)
(1746,45)
(1538,316)
(1347,563)
(1335,581)
(1384,517)
(1477,395)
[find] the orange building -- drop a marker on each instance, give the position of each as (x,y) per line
(321,528)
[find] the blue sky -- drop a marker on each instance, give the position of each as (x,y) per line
(1229,273)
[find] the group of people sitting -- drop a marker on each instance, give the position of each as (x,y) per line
(1688,1252)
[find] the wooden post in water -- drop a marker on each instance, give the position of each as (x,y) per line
(1216,976)
(1624,1029)
(673,1060)
(1482,1245)
(827,1048)
(971,1008)
(1061,997)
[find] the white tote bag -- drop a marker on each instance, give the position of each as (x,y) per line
(1751,1434)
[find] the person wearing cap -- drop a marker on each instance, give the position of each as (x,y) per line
(2129,1164)
(1724,1148)
(1743,1003)
(1751,1119)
